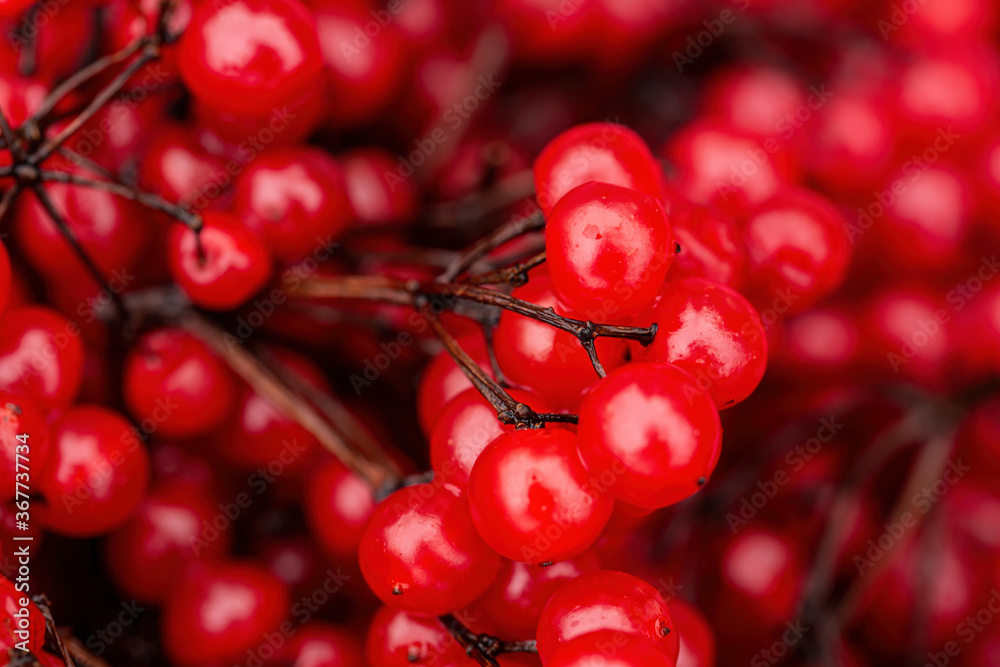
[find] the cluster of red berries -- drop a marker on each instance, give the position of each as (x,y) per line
(249,188)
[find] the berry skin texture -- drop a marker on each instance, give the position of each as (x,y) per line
(713,333)
(601,152)
(218,611)
(20,416)
(96,474)
(532,500)
(251,56)
(605,242)
(295,200)
(398,639)
(323,645)
(235,266)
(420,551)
(468,423)
(174,380)
(606,601)
(41,356)
(148,554)
(797,251)
(607,648)
(651,428)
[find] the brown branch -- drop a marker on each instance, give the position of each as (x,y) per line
(506,232)
(483,648)
(148,199)
(515,275)
(266,383)
(8,137)
(8,199)
(45,607)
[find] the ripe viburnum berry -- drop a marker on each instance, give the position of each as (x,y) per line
(96,475)
(420,551)
(532,499)
(607,601)
(398,639)
(652,431)
(14,620)
(34,333)
(601,152)
(713,333)
(605,243)
(231,266)
(609,648)
(22,431)
(251,56)
(697,638)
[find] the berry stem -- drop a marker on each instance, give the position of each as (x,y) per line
(514,275)
(483,648)
(8,137)
(506,232)
(8,198)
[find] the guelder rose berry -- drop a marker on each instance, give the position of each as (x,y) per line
(607,243)
(652,431)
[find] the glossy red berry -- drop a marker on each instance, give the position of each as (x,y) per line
(466,425)
(651,433)
(514,602)
(709,245)
(420,551)
(41,356)
(550,361)
(797,251)
(607,601)
(697,638)
(217,612)
(378,196)
(337,504)
(607,243)
(533,500)
(96,474)
(251,56)
(398,639)
(14,7)
(713,333)
(319,644)
(609,648)
(601,152)
(231,265)
(295,200)
(177,524)
(22,431)
(175,382)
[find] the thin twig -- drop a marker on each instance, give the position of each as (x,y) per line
(507,232)
(483,648)
(8,137)
(515,275)
(8,198)
(271,388)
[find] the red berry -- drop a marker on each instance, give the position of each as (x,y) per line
(601,152)
(377,196)
(22,431)
(550,361)
(533,500)
(607,243)
(234,265)
(219,611)
(398,639)
(252,56)
(14,618)
(96,474)
(174,526)
(708,245)
(337,504)
(609,648)
(697,639)
(41,356)
(713,333)
(797,251)
(651,432)
(295,200)
(176,383)
(514,602)
(420,551)
(4,277)
(607,601)
(466,425)
(319,644)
